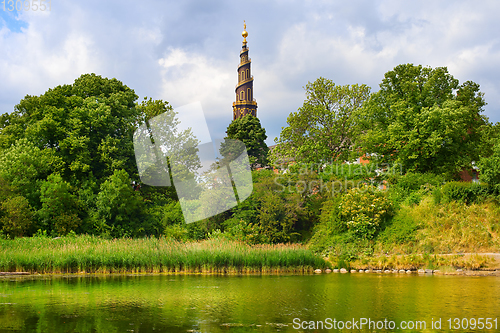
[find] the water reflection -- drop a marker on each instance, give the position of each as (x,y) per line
(206,303)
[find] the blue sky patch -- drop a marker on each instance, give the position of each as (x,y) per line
(11,20)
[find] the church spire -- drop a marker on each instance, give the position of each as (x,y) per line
(244,33)
(245,103)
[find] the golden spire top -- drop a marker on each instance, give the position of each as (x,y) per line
(244,33)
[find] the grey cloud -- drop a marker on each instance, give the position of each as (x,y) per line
(291,43)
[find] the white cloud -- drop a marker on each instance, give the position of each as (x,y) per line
(189,77)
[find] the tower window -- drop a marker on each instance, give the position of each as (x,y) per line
(249,94)
(242,95)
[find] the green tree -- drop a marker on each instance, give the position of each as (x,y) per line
(88,125)
(324,127)
(5,189)
(490,136)
(24,167)
(422,119)
(248,130)
(120,209)
(489,166)
(17,216)
(174,153)
(60,207)
(272,213)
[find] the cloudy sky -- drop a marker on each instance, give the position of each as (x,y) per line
(188,51)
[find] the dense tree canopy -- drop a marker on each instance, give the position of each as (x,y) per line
(324,127)
(67,160)
(422,119)
(88,125)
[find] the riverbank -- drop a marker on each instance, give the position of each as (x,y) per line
(449,264)
(421,272)
(89,254)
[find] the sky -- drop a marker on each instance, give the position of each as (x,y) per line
(188,51)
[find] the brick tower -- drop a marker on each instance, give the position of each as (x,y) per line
(245,103)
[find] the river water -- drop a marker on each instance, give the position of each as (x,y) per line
(249,303)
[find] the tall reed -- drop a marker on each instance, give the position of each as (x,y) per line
(91,254)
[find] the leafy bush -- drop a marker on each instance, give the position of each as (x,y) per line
(467,193)
(177,232)
(411,187)
(277,216)
(414,181)
(169,214)
(341,248)
(414,198)
(336,171)
(363,210)
(66,223)
(247,232)
(273,212)
(349,222)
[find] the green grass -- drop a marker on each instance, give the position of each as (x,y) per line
(452,227)
(91,254)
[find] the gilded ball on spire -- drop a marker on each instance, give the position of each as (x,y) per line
(244,33)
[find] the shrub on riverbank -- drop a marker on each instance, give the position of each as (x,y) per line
(151,255)
(425,228)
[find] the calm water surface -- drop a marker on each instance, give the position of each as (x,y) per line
(201,303)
